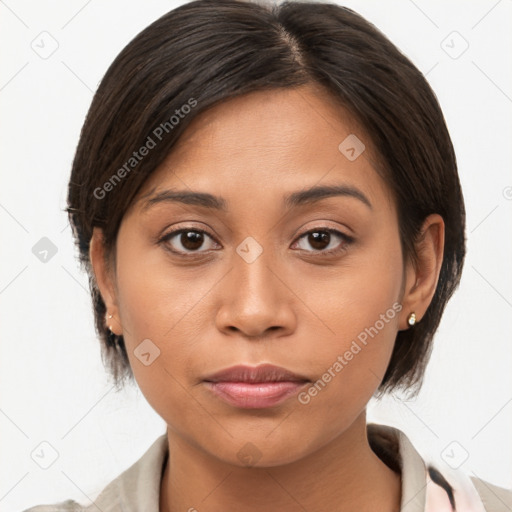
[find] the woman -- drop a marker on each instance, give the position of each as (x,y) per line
(267,203)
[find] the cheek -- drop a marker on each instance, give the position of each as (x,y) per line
(350,364)
(158,300)
(163,317)
(160,326)
(360,310)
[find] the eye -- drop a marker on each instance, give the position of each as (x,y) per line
(183,241)
(325,241)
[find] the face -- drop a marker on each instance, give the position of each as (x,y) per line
(312,285)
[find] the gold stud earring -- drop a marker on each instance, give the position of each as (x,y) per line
(110,326)
(411,319)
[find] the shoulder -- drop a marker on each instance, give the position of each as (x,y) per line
(494,498)
(62,506)
(139,483)
(464,492)
(108,500)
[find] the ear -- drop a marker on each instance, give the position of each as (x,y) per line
(421,279)
(105,279)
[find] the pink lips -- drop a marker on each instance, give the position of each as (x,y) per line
(255,387)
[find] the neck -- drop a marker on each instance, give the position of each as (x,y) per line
(344,475)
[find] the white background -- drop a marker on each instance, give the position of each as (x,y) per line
(53,385)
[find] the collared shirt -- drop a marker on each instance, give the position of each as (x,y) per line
(424,487)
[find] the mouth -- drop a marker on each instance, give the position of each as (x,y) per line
(255,387)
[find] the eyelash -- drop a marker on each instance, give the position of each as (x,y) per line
(346,240)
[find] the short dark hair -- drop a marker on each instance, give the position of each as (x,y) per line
(205,52)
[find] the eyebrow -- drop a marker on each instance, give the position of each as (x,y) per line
(317,193)
(293,200)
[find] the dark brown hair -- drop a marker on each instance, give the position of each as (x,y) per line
(204,52)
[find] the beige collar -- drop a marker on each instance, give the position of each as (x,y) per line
(138,487)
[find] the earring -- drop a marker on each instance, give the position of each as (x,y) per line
(112,335)
(110,326)
(411,319)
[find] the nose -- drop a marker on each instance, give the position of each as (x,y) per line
(257,301)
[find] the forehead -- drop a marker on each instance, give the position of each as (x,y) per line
(264,141)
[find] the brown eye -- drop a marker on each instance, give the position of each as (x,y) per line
(191,240)
(319,239)
(186,240)
(324,241)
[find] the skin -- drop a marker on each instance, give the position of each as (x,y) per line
(290,307)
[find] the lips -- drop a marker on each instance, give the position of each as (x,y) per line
(255,374)
(255,387)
